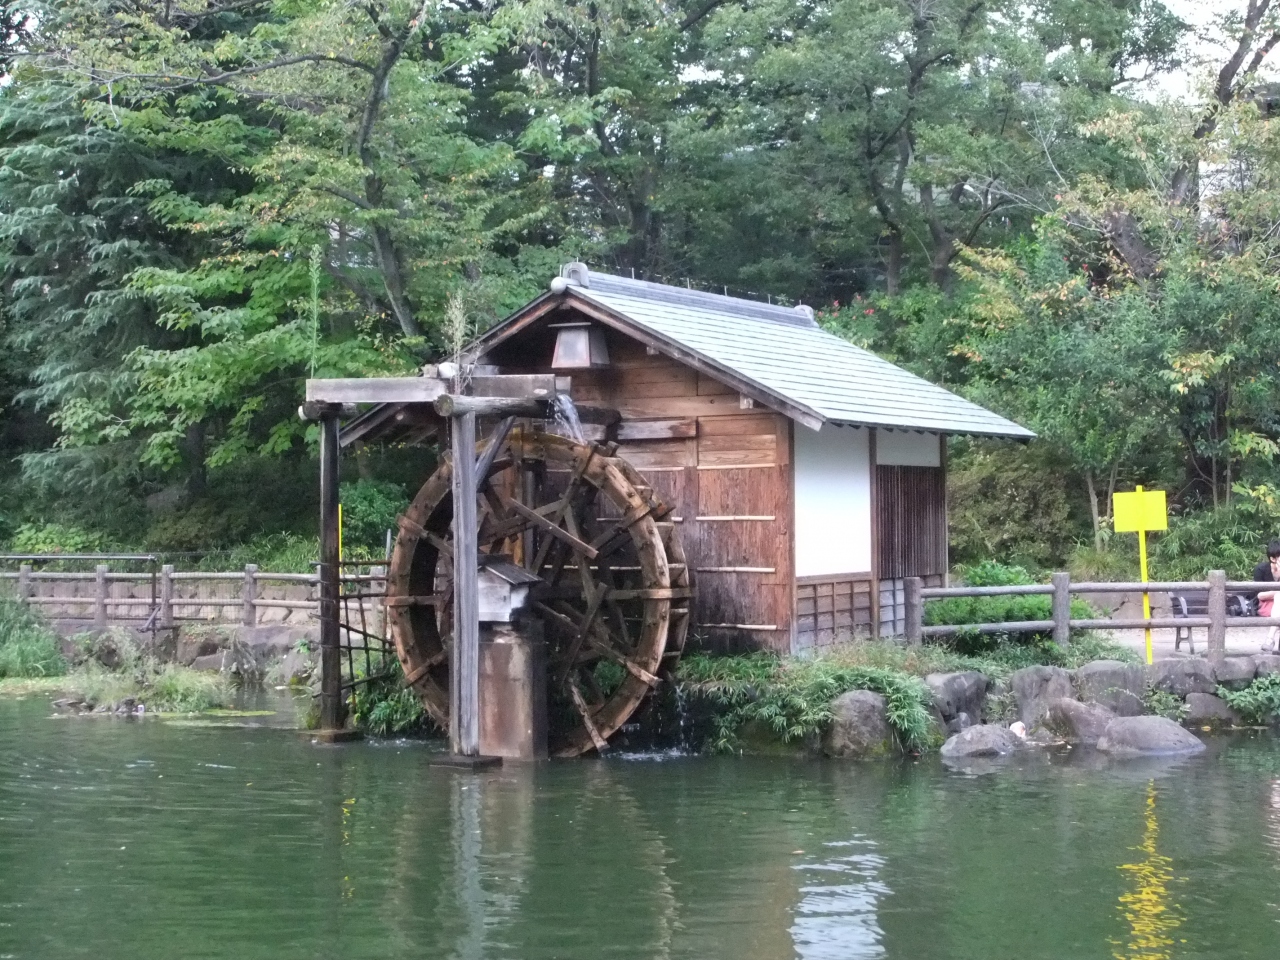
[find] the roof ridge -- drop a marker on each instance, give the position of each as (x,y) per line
(797,316)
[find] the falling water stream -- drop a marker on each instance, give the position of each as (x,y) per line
(565,418)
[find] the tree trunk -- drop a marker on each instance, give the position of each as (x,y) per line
(1093,510)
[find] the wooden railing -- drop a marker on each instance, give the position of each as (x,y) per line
(164,607)
(1061,589)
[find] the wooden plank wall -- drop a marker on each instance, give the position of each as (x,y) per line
(725,470)
(911,522)
(831,610)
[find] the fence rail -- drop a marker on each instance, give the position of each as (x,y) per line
(163,607)
(1061,589)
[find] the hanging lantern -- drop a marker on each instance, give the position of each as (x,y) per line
(579,346)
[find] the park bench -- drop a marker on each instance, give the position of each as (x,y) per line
(1195,603)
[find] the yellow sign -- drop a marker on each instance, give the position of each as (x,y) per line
(1140,510)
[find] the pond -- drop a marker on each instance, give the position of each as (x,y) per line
(158,839)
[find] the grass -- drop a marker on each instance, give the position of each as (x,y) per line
(1257,703)
(28,648)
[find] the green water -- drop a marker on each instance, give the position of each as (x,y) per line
(140,840)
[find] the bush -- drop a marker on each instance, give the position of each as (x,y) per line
(793,697)
(1257,703)
(384,706)
(28,647)
(1230,538)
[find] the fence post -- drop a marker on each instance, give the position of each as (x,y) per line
(166,597)
(248,596)
(1217,614)
(100,598)
(1061,609)
(24,583)
(914,611)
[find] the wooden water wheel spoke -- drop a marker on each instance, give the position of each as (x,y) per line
(608,590)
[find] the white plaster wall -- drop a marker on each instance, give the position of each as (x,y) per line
(906,448)
(833,501)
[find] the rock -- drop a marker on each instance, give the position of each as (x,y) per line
(212,661)
(1034,687)
(1115,685)
(1235,673)
(959,695)
(1147,736)
(1182,676)
(961,722)
(1076,721)
(192,648)
(982,740)
(1205,708)
(269,642)
(1266,663)
(295,667)
(859,728)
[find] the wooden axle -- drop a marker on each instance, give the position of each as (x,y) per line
(454,405)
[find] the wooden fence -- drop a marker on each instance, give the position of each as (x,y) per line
(1060,589)
(161,599)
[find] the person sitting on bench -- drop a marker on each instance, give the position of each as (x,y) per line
(1268,572)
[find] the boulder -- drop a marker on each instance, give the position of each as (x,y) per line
(859,727)
(1182,676)
(1147,736)
(1034,687)
(1076,721)
(958,695)
(982,740)
(270,642)
(211,662)
(1235,673)
(1205,708)
(1266,663)
(1115,685)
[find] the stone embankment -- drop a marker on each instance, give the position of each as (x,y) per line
(1103,704)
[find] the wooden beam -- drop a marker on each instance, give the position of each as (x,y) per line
(464,707)
(332,712)
(426,389)
(453,405)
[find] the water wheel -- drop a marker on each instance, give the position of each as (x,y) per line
(613,590)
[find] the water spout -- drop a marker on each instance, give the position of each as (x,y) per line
(564,418)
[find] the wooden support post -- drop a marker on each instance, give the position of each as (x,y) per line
(464,673)
(166,597)
(100,597)
(24,583)
(249,596)
(332,714)
(914,610)
(1217,614)
(1061,609)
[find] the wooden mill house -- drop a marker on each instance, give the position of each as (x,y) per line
(807,476)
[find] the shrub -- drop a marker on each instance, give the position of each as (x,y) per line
(1230,538)
(178,689)
(793,697)
(385,707)
(1257,703)
(28,648)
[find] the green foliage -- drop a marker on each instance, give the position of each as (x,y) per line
(385,707)
(369,510)
(1164,704)
(57,538)
(28,648)
(1231,538)
(792,697)
(1257,703)
(136,673)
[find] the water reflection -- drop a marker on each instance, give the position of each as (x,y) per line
(836,917)
(1146,905)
